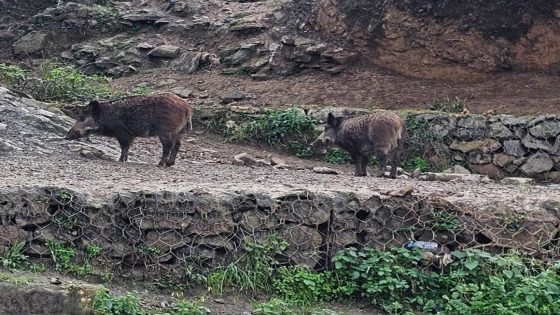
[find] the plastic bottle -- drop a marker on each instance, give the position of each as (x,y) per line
(427,246)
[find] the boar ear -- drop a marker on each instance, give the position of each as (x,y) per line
(333,121)
(94,107)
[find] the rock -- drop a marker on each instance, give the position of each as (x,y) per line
(182,91)
(277,161)
(517,181)
(248,28)
(165,241)
(32,43)
(476,157)
(238,57)
(510,120)
(145,46)
(457,169)
(3,126)
(537,163)
(491,170)
(325,170)
(485,145)
(502,159)
(11,234)
(188,63)
(245,159)
(553,177)
(402,192)
(233,97)
(533,143)
(514,147)
(545,130)
(147,18)
(55,281)
(443,177)
(165,83)
(5,146)
(165,51)
(499,131)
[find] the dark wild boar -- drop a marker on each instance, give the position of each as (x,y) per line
(381,134)
(164,115)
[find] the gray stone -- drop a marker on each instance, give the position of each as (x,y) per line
(546,129)
(325,170)
(514,147)
(165,51)
(510,120)
(457,169)
(472,122)
(3,126)
(233,96)
(499,130)
(145,46)
(31,43)
(485,145)
(142,18)
(502,159)
(247,160)
(238,57)
(188,63)
(537,163)
(479,158)
(533,143)
(182,92)
(518,181)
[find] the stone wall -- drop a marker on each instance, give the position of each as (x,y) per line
(150,234)
(500,145)
(495,145)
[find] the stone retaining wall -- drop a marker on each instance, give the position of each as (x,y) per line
(149,234)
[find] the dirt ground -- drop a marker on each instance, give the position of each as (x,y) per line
(527,93)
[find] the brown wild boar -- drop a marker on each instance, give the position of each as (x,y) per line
(381,134)
(164,115)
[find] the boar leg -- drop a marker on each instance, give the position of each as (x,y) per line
(360,164)
(174,151)
(382,160)
(125,146)
(167,144)
(394,163)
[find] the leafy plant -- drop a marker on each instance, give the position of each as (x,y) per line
(142,89)
(14,257)
(445,221)
(302,286)
(252,271)
(417,163)
(188,308)
(105,303)
(12,75)
(448,105)
(289,128)
(63,257)
(337,156)
(274,307)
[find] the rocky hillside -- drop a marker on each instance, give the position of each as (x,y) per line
(280,52)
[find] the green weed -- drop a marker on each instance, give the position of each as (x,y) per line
(337,156)
(448,105)
(63,258)
(14,257)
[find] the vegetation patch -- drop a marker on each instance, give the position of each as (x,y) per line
(53,82)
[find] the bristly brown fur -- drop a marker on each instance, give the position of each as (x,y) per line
(163,115)
(381,134)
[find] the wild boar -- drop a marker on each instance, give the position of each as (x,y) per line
(164,115)
(381,134)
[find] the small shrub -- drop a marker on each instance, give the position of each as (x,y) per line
(188,308)
(14,257)
(274,307)
(447,105)
(63,258)
(337,156)
(12,75)
(288,128)
(252,271)
(105,303)
(416,163)
(302,286)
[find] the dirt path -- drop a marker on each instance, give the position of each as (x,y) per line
(372,88)
(205,163)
